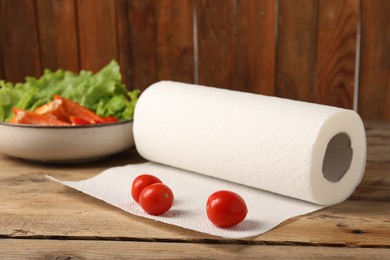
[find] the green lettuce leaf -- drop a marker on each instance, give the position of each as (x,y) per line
(101,92)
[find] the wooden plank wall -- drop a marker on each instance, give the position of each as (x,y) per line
(334,52)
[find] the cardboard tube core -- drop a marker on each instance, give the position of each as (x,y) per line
(338,157)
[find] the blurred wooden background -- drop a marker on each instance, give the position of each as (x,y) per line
(334,52)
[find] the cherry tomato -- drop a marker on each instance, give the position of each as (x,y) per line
(156,199)
(140,183)
(226,208)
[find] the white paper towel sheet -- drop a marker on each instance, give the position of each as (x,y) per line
(191,190)
(284,157)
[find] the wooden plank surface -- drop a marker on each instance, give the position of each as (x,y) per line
(254,61)
(303,50)
(97,33)
(336,52)
(215,24)
(74,216)
(33,207)
(155,41)
(30,210)
(60,249)
(58,37)
(308,56)
(141,22)
(123,39)
(374,88)
(2,75)
(175,44)
(296,49)
(20,47)
(236,45)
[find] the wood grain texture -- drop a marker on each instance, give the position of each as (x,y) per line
(123,39)
(2,74)
(59,249)
(142,43)
(376,181)
(33,207)
(378,138)
(216,36)
(65,214)
(296,49)
(374,88)
(175,44)
(19,41)
(254,66)
(375,184)
(336,52)
(304,50)
(236,42)
(58,40)
(97,33)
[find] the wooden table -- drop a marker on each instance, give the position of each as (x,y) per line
(44,220)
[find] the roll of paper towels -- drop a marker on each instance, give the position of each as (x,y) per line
(285,158)
(302,150)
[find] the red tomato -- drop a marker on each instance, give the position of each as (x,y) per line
(156,199)
(226,208)
(140,183)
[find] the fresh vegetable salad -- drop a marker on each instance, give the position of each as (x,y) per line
(102,93)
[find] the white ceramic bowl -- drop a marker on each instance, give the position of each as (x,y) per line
(65,143)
